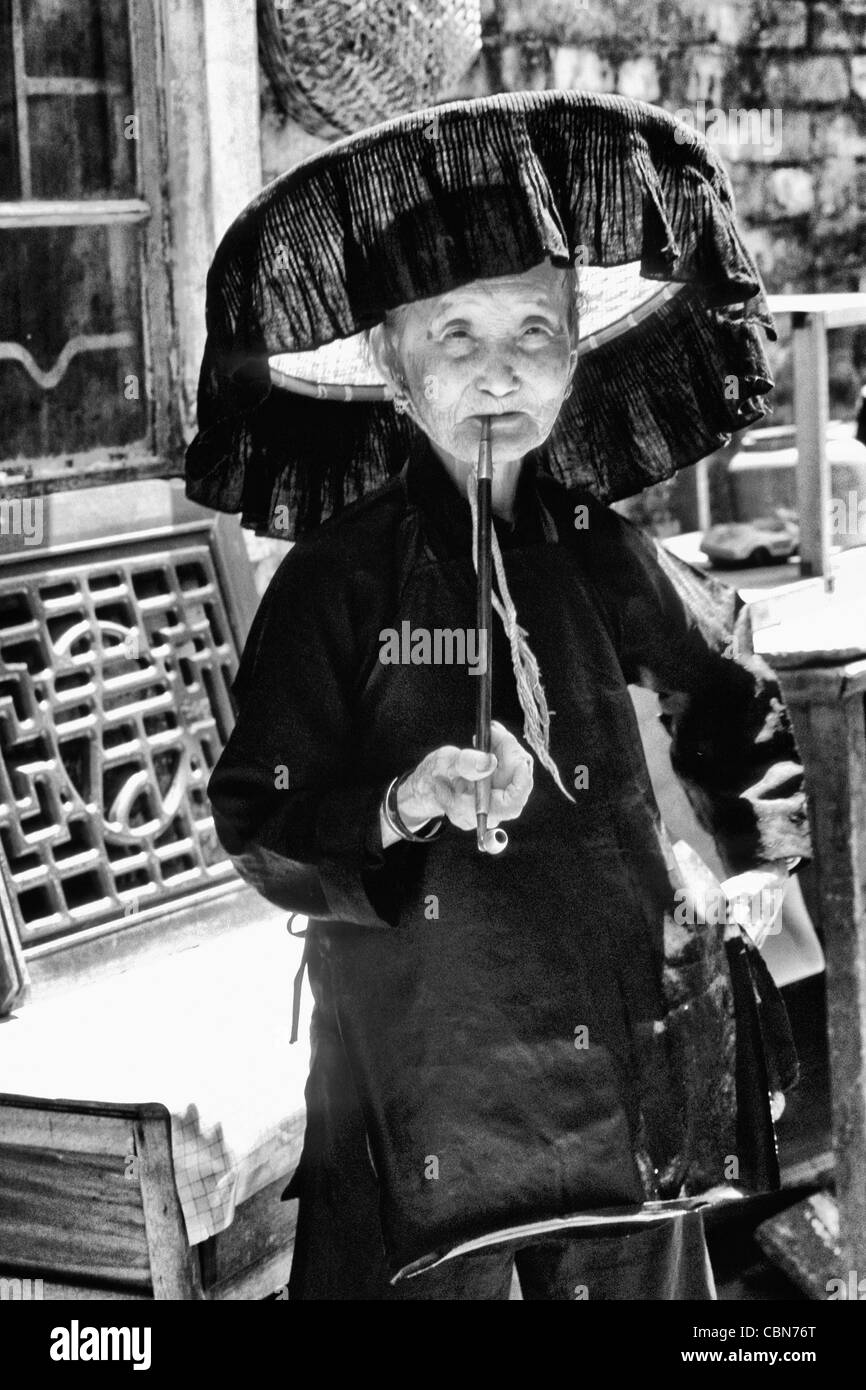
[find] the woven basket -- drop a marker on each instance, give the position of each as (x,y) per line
(336,66)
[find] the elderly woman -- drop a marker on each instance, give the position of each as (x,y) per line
(498,1042)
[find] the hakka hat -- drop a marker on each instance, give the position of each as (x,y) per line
(294,422)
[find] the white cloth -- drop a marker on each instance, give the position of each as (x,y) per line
(205,1032)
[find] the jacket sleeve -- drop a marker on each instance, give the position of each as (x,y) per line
(289,808)
(687,637)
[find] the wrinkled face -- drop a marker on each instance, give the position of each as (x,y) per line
(501,347)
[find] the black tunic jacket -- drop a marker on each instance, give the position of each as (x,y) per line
(536,1023)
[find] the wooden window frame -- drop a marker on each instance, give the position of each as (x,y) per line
(160,452)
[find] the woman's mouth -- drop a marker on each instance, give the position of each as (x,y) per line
(506,420)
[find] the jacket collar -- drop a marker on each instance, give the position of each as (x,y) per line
(431,489)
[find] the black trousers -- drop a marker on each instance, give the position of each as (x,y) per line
(339,1253)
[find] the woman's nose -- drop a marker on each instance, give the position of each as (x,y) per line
(498,375)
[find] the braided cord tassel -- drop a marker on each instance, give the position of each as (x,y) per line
(530,692)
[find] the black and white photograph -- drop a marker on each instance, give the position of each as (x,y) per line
(433,667)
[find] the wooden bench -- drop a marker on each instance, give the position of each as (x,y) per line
(88,1204)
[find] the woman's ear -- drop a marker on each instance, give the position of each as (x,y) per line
(382,352)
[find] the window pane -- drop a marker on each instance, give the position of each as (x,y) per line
(77,147)
(74,75)
(58,284)
(76,38)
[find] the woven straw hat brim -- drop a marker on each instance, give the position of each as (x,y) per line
(401,213)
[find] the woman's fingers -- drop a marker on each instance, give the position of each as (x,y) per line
(472,765)
(445,782)
(456,797)
(454,773)
(511,784)
(507,803)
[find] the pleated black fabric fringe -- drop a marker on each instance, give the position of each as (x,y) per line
(407,211)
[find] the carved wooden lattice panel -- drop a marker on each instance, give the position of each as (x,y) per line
(115,668)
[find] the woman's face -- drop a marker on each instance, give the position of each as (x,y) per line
(498,347)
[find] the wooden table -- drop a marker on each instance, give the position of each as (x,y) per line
(823,683)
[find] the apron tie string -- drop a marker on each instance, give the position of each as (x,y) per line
(298,985)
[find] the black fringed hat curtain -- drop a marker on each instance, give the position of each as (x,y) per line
(672,356)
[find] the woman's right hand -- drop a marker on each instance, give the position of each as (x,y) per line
(443,783)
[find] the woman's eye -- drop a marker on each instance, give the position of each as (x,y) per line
(536,330)
(456,335)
